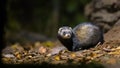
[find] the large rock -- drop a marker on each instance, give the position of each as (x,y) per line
(104,13)
(113,34)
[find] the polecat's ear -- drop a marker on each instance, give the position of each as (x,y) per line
(70,28)
(59,31)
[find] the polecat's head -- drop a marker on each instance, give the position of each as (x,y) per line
(65,32)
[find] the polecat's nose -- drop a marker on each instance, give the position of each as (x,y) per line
(68,35)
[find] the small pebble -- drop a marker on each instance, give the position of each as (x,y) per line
(8,55)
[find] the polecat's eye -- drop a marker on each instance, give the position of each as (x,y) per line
(69,32)
(64,33)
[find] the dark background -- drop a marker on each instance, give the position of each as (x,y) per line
(42,17)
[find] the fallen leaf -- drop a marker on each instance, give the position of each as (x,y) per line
(57,58)
(111,61)
(64,57)
(48,55)
(37,44)
(114,53)
(118,48)
(42,50)
(72,55)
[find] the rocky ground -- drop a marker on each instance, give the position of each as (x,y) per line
(53,54)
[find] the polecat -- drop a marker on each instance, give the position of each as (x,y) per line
(83,36)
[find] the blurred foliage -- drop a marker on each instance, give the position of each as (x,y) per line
(44,16)
(48,44)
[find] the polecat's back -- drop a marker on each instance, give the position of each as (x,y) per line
(88,34)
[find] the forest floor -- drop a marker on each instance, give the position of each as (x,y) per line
(53,55)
